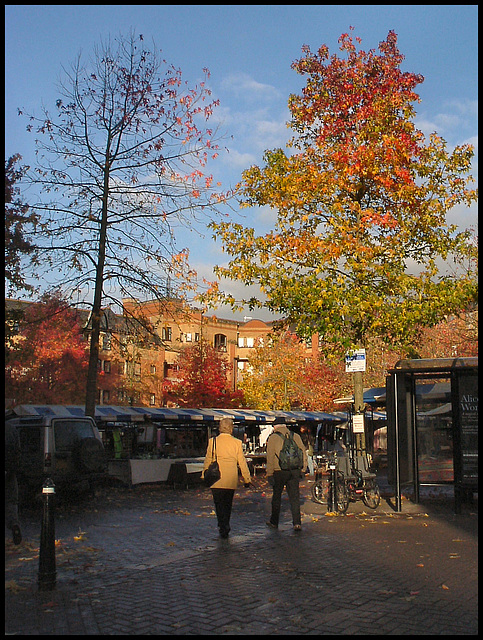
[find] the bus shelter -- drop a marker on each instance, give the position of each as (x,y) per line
(432,419)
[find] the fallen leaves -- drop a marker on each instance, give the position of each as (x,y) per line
(13,586)
(81,536)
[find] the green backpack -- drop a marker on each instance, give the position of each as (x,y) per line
(291,455)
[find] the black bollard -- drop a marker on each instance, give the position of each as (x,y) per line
(47,571)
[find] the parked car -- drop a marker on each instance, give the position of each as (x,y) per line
(67,450)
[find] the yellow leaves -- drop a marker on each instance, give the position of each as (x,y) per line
(81,536)
(13,586)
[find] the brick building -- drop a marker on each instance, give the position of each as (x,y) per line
(178,326)
(134,361)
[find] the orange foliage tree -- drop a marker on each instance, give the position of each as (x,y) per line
(47,362)
(362,198)
(281,375)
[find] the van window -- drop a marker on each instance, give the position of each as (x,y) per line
(69,432)
(30,438)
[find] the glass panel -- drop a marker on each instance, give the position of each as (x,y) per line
(68,432)
(434,426)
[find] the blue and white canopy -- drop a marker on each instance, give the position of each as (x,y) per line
(113,413)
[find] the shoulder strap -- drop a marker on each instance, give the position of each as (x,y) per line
(213,450)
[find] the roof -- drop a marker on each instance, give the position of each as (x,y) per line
(113,413)
(435,365)
(377,395)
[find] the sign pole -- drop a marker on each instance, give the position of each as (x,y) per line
(355,362)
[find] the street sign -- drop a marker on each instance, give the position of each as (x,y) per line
(355,361)
(358,423)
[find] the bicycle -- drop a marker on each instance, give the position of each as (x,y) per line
(322,486)
(351,484)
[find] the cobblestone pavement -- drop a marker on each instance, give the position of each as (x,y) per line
(148,561)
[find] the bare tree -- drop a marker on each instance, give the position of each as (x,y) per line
(120,167)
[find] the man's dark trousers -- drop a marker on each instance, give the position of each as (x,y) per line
(289,479)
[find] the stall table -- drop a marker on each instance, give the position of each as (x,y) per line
(137,471)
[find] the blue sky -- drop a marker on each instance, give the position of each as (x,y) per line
(249,50)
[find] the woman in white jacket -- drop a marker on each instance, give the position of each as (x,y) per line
(229,453)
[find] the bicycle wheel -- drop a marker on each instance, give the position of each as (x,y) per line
(342,500)
(321,494)
(371,496)
(320,491)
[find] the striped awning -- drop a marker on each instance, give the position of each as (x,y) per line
(113,413)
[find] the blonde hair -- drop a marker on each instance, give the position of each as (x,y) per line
(226,425)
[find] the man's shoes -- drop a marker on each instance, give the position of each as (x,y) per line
(224,533)
(16,534)
(297,527)
(271,525)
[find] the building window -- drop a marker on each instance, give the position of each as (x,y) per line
(246,342)
(104,396)
(137,371)
(220,342)
(153,368)
(197,337)
(166,334)
(152,400)
(106,342)
(189,337)
(106,366)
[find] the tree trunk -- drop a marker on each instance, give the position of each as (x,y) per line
(91,386)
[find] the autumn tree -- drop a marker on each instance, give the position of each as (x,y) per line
(361,198)
(48,361)
(274,372)
(201,379)
(121,165)
(17,220)
(457,337)
(281,375)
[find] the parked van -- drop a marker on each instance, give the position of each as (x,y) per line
(67,450)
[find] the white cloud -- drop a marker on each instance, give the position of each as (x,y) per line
(239,160)
(455,121)
(243,84)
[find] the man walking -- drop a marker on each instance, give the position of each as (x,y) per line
(279,476)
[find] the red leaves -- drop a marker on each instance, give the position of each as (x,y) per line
(51,357)
(202,379)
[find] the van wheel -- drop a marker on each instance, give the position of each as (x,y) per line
(90,455)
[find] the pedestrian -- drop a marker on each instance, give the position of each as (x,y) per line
(309,441)
(12,464)
(284,478)
(229,453)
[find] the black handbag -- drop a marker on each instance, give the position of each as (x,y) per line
(212,473)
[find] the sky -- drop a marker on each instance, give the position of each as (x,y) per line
(249,50)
